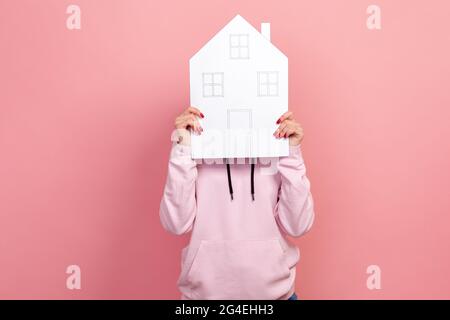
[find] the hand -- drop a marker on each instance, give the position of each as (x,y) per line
(187,122)
(288,127)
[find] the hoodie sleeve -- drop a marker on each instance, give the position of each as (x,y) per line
(294,211)
(178,205)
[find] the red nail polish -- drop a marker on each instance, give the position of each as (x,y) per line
(278,121)
(202,115)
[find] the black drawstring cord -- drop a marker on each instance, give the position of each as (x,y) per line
(230,186)
(252,181)
(252,185)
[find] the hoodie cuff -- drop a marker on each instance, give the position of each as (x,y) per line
(295,152)
(181,151)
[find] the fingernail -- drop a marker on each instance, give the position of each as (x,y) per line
(278,121)
(202,115)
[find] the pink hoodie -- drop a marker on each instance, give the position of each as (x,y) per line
(239,248)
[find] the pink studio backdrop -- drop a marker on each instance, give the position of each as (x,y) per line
(86,117)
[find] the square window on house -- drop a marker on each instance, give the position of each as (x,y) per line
(217,78)
(263,77)
(218,91)
(234,40)
(234,53)
(263,90)
(243,40)
(273,77)
(273,90)
(213,84)
(207,78)
(207,91)
(243,53)
(267,83)
(239,46)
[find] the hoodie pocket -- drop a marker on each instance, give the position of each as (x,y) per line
(239,269)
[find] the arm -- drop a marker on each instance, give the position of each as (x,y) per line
(294,211)
(178,205)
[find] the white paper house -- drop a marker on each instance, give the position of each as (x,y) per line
(239,80)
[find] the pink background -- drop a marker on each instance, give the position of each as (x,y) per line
(86,117)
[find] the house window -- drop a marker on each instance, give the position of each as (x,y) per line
(213,84)
(268,84)
(239,46)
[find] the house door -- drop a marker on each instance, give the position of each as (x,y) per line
(239,125)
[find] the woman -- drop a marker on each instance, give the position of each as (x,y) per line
(239,216)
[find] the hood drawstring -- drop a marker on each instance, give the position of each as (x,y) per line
(230,185)
(252,181)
